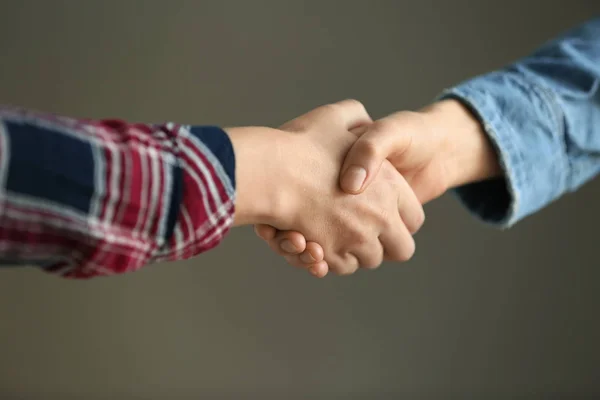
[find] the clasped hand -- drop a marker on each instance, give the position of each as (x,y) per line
(407,157)
(327,221)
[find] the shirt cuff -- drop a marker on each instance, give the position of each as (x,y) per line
(523,123)
(207,200)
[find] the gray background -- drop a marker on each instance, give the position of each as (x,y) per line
(477,312)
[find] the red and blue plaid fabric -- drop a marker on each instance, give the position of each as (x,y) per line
(84,198)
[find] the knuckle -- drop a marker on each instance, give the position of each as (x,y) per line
(352,103)
(336,269)
(354,237)
(369,148)
(333,109)
(373,258)
(418,221)
(371,264)
(343,268)
(333,113)
(407,251)
(346,271)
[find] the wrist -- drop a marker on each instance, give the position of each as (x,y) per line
(467,153)
(259,180)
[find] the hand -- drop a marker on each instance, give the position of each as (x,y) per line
(352,230)
(440,147)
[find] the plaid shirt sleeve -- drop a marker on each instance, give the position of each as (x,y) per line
(86,198)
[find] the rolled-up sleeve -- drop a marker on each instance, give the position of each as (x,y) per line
(84,198)
(542,114)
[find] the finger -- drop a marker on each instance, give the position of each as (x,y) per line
(397,240)
(353,113)
(287,243)
(398,243)
(343,265)
(312,255)
(292,242)
(364,159)
(410,208)
(348,113)
(294,261)
(265,232)
(319,269)
(370,255)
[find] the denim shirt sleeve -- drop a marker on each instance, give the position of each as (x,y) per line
(542,113)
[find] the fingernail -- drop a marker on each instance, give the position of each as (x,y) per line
(314,272)
(287,246)
(353,178)
(307,258)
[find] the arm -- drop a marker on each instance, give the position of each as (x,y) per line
(83,198)
(507,143)
(542,116)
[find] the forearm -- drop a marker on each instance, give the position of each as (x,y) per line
(469,155)
(259,175)
(85,198)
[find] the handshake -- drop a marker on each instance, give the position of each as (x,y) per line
(333,190)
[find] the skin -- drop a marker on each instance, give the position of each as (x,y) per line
(440,147)
(296,188)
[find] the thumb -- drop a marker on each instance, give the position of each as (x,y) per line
(364,159)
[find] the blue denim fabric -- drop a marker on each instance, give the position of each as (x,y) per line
(542,113)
